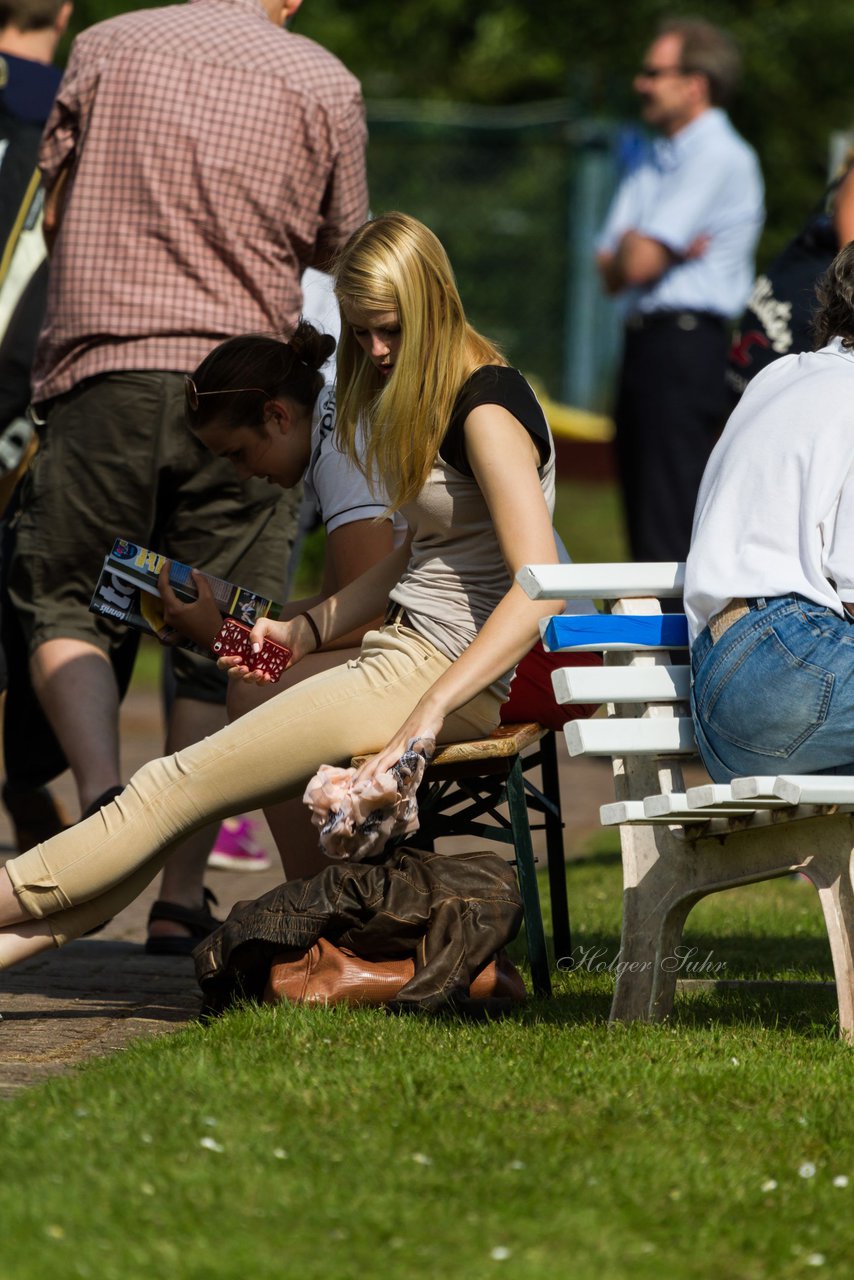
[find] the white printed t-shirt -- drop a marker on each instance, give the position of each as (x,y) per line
(336,492)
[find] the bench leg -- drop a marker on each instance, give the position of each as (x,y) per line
(822,849)
(662,881)
(830,872)
(645,891)
(525,870)
(656,902)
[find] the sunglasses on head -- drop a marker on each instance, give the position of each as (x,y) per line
(194,395)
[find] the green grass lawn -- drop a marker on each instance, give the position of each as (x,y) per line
(589,519)
(338,1143)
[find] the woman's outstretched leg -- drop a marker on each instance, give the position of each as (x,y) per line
(97,867)
(22,936)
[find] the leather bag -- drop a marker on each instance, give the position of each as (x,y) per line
(328,974)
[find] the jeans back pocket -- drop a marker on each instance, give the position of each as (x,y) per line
(761,696)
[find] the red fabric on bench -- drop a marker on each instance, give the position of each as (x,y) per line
(531,693)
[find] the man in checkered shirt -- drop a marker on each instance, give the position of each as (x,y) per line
(199,157)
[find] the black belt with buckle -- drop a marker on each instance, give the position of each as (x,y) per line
(684,319)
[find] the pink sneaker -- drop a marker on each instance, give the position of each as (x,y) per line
(236,848)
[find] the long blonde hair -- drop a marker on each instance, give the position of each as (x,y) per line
(395,263)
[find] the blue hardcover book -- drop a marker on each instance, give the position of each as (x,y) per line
(616,631)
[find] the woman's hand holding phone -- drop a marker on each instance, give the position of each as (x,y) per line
(233,640)
(293,636)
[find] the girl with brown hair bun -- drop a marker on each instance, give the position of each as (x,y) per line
(464,452)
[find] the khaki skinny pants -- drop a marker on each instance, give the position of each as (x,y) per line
(88,873)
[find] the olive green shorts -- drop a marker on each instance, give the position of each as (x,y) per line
(117,460)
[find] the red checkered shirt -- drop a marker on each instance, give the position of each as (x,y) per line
(215,156)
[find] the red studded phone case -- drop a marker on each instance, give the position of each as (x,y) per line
(232,640)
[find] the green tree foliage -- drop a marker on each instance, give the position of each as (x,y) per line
(797,87)
(796,90)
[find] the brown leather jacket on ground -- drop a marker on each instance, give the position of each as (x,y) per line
(453,912)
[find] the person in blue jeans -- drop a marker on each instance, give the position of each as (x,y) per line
(769,579)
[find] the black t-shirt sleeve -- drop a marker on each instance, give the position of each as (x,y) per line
(494,384)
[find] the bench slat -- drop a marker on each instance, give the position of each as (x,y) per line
(754,788)
(622,684)
(642,737)
(616,631)
(675,805)
(602,581)
(505,741)
(798,788)
(627,814)
(613,815)
(717,793)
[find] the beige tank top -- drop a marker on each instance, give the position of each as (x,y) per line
(456,573)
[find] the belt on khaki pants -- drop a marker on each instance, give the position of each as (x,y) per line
(730,614)
(396,615)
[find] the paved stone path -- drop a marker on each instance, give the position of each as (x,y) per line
(99,993)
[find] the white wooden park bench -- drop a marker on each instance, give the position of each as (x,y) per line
(679,845)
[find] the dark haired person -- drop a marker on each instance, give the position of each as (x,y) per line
(198,158)
(280,426)
(677,249)
(778,318)
(30,31)
(430,409)
(770,577)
